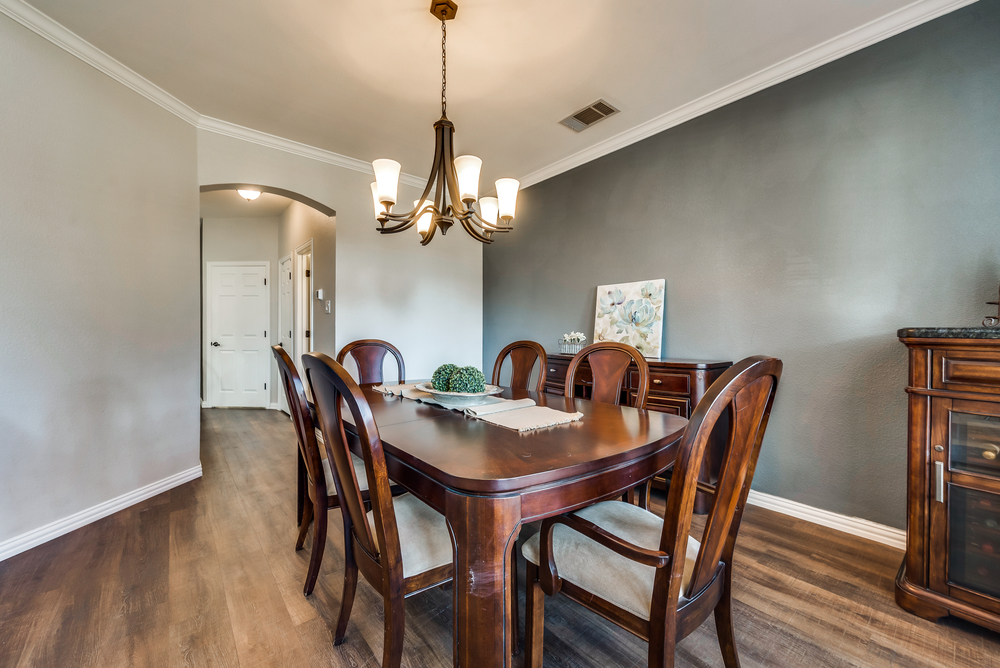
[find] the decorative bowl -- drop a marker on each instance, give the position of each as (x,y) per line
(460,399)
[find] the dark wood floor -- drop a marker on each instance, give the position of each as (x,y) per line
(206,575)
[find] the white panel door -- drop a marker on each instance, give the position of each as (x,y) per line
(238,355)
(285,319)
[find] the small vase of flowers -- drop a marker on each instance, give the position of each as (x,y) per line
(572,343)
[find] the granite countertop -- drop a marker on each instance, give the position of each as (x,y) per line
(949,333)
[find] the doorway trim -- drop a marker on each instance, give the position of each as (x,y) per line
(302,300)
(282,399)
(207,312)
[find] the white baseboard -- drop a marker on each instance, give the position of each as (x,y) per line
(855,526)
(205,404)
(26,541)
(274,406)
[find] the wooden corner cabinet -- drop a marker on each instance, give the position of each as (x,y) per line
(952,562)
(675,386)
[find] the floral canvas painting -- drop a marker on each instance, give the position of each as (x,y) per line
(631,313)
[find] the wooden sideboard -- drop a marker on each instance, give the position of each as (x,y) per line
(952,562)
(675,386)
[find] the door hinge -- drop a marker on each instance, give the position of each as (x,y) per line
(307,333)
(289,275)
(308,273)
(265,333)
(289,334)
(265,386)
(265,281)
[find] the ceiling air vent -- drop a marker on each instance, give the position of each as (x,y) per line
(589,115)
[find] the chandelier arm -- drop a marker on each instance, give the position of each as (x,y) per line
(474,218)
(425,237)
(476,234)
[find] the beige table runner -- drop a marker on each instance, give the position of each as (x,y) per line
(517,414)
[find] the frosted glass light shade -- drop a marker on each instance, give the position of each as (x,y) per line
(249,195)
(507,197)
(468,167)
(489,209)
(379,207)
(424,221)
(387,178)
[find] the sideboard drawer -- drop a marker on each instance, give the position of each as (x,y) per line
(673,405)
(968,370)
(661,381)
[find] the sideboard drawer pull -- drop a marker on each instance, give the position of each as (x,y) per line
(552,370)
(657,381)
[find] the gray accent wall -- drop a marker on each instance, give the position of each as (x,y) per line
(809,222)
(98,290)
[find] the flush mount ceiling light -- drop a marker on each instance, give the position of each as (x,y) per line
(455,181)
(249,195)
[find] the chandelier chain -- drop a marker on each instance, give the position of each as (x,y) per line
(444,68)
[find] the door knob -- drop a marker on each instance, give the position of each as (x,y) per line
(216,344)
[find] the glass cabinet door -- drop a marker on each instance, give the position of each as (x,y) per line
(965,498)
(974,442)
(974,540)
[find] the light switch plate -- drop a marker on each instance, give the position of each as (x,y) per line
(328,307)
(319,294)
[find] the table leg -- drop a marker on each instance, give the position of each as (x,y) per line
(484,528)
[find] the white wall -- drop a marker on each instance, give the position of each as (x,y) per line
(244,240)
(426,300)
(99,267)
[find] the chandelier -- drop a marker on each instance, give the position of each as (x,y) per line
(455,181)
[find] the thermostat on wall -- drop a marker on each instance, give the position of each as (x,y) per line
(319,294)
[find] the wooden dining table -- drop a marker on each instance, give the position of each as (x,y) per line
(487,481)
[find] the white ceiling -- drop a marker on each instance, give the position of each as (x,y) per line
(229,204)
(361,78)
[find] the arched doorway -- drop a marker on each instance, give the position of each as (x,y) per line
(268,277)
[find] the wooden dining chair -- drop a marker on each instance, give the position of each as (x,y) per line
(647,574)
(523,355)
(402,546)
(369,354)
(609,364)
(320,492)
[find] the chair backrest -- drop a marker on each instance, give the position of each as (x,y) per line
(333,388)
(746,392)
(609,364)
(522,359)
(368,354)
(298,406)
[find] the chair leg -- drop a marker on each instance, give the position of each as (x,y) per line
(350,586)
(724,624)
(307,518)
(534,618)
(515,621)
(395,625)
(643,492)
(319,545)
(300,486)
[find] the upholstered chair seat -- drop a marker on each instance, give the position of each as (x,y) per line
(423,535)
(359,470)
(617,579)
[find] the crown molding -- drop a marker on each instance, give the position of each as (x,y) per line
(854,40)
(228,129)
(72,43)
(62,37)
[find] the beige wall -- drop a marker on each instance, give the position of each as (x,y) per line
(299,224)
(426,300)
(244,240)
(99,334)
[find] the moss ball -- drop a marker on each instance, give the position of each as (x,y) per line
(467,379)
(442,377)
